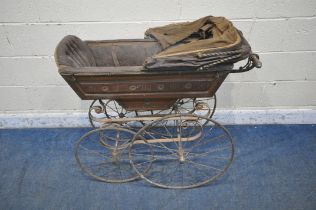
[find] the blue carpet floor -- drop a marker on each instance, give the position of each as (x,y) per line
(274,168)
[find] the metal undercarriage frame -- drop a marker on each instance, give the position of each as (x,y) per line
(181,147)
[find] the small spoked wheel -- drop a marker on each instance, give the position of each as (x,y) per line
(103,154)
(114,110)
(181,151)
(203,107)
(106,109)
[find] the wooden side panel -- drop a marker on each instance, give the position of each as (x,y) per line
(146,91)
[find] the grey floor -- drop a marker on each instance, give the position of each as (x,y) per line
(274,168)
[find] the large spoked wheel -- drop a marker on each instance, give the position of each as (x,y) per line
(183,151)
(103,154)
(110,109)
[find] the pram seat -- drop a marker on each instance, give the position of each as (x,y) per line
(113,69)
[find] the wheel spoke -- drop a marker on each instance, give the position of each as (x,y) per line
(167,130)
(182,174)
(160,112)
(117,140)
(172,151)
(194,178)
(149,161)
(94,152)
(111,108)
(117,111)
(171,171)
(162,135)
(215,157)
(205,142)
(199,169)
(177,136)
(208,152)
(157,156)
(205,166)
(120,170)
(164,146)
(100,164)
(185,109)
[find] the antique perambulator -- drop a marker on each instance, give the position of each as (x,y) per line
(153,103)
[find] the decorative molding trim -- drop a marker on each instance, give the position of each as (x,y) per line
(79,119)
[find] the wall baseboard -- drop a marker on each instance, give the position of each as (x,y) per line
(269,116)
(79,119)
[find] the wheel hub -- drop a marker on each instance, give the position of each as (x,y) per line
(199,106)
(97,109)
(181,156)
(115,156)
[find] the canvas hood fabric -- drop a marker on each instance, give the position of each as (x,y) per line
(187,44)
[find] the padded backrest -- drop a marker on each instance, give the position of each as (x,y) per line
(72,51)
(128,52)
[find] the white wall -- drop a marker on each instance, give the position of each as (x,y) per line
(283,32)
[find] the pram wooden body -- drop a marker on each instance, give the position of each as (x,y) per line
(148,124)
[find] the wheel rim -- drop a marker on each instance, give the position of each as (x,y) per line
(103,154)
(110,109)
(206,152)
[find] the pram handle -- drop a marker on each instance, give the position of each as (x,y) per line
(253,61)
